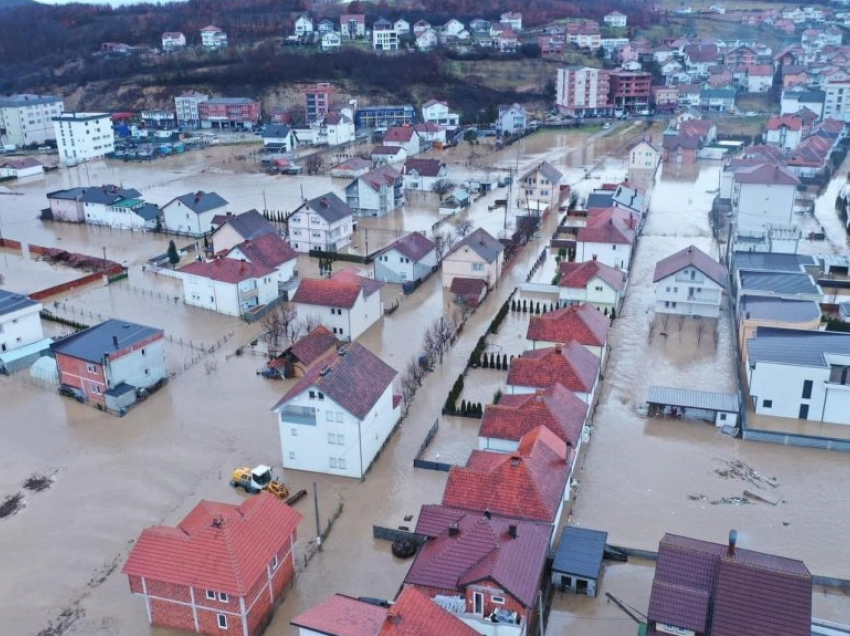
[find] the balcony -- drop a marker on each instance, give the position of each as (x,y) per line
(246,295)
(704,297)
(298,415)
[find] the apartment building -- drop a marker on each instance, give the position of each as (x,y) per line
(82,136)
(28,119)
(583,91)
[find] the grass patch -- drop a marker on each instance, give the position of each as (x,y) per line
(741,125)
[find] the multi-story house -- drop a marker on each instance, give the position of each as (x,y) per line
(608,237)
(193,213)
(213,38)
(402,26)
(324,223)
(222,570)
(346,303)
(408,259)
(186,107)
(352,25)
(539,189)
(785,131)
(228,285)
(630,91)
(108,205)
(759,78)
(591,282)
(338,416)
(173,40)
(513,18)
(376,193)
(837,99)
(616,20)
(404,137)
(279,138)
(83,136)
(720,100)
(423,174)
(644,155)
(437,112)
(583,323)
(330,41)
(317,100)
(270,251)
(232,229)
(384,36)
(511,120)
(20,323)
(28,119)
(229,112)
(304,25)
(112,363)
(570,365)
(583,91)
(763,195)
(689,283)
(384,116)
(477,256)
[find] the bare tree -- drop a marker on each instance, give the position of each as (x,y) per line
(463,227)
(276,328)
(314,164)
(442,187)
(443,243)
(310,322)
(432,348)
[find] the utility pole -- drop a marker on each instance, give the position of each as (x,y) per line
(318,523)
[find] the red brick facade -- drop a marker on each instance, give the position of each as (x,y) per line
(248,113)
(488,589)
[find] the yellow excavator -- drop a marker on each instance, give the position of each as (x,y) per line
(254,480)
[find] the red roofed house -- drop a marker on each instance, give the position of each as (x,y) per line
(571,365)
(422,174)
(591,282)
(583,323)
(228,286)
(404,137)
(485,569)
(784,131)
(346,303)
(468,291)
(608,237)
(337,417)
(222,570)
(759,78)
(271,251)
(294,361)
(352,25)
(411,614)
(689,282)
(709,589)
(529,483)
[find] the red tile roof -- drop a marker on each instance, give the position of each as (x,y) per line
(464,548)
(217,546)
(387,150)
(578,275)
(698,127)
(527,484)
(428,127)
(766,174)
(314,345)
(469,289)
(414,246)
(343,616)
(398,134)
(792,122)
(572,366)
(583,323)
(415,614)
(269,250)
(327,292)
(556,408)
(227,270)
(690,257)
(381,177)
(609,225)
(352,275)
(353,377)
(425,167)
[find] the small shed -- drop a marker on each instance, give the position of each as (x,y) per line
(721,408)
(578,561)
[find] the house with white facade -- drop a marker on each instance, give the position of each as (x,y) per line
(108,206)
(325,223)
(402,26)
(477,256)
(430,134)
(20,323)
(213,38)
(608,237)
(347,304)
(279,138)
(193,213)
(338,416)
(422,174)
(83,136)
(763,195)
(591,282)
(387,155)
(689,283)
(384,36)
(513,18)
(437,112)
(539,189)
(270,251)
(759,78)
(228,286)
(644,155)
(331,129)
(797,374)
(304,25)
(404,137)
(173,40)
(28,119)
(583,323)
(352,25)
(20,168)
(616,20)
(186,107)
(785,131)
(408,259)
(330,41)
(376,193)
(427,40)
(511,120)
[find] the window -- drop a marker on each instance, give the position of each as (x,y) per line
(321,395)
(211,595)
(294,432)
(477,267)
(613,247)
(768,404)
(274,562)
(91,368)
(144,352)
(342,463)
(723,417)
(339,416)
(329,416)
(340,439)
(222,597)
(598,288)
(291,454)
(807,389)
(332,461)
(331,438)
(668,290)
(96,388)
(666,303)
(498,600)
(222,621)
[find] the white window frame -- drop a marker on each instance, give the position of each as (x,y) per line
(498,600)
(210,595)
(275,563)
(222,596)
(222,621)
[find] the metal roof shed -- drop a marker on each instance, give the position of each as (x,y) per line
(578,561)
(721,408)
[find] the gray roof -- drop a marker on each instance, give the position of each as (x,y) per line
(630,197)
(94,343)
(200,202)
(769,262)
(106,194)
(807,97)
(796,346)
(9,302)
(688,398)
(580,552)
(330,207)
(714,93)
(600,199)
(274,131)
(782,309)
(550,172)
(148,212)
(483,244)
(25,99)
(778,282)
(231,100)
(250,225)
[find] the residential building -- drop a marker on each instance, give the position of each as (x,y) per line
(213,38)
(28,119)
(644,155)
(608,237)
(279,138)
(111,364)
(232,229)
(326,26)
(324,223)
(571,365)
(709,589)
(404,137)
(352,25)
(376,193)
(332,129)
(351,168)
(20,168)
(689,283)
(591,282)
(795,99)
(20,323)
(513,18)
(387,155)
(299,357)
(158,119)
(318,100)
(772,284)
(83,136)
(785,131)
(680,148)
(222,570)
(330,41)
(583,323)
(718,99)
(511,120)
(630,91)
(437,112)
(228,286)
(699,56)
(268,251)
(303,26)
(539,189)
(173,40)
(402,26)
(411,258)
(193,213)
(186,107)
(468,292)
(431,134)
(108,205)
(770,311)
(506,423)
(763,195)
(346,303)
(423,174)
(584,35)
(421,26)
(837,99)
(477,255)
(337,417)
(384,116)
(229,112)
(616,20)
(411,614)
(759,78)
(577,565)
(583,91)
(486,569)
(384,36)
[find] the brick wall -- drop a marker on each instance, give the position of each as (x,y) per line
(490,589)
(74,372)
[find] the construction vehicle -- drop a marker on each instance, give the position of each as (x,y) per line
(255,480)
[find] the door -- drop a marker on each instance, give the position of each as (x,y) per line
(478,603)
(804,411)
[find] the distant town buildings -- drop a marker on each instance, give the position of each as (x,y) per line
(28,119)
(186,106)
(583,91)
(83,136)
(213,38)
(229,112)
(173,40)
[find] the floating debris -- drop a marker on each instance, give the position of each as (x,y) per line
(697,497)
(11,505)
(734,501)
(37,483)
(737,469)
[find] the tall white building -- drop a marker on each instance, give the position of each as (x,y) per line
(28,119)
(213,38)
(82,136)
(689,283)
(837,102)
(583,91)
(186,107)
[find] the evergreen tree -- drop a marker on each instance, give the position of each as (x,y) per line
(613,313)
(173,254)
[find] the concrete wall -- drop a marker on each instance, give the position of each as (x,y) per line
(614,255)
(466,263)
(19,328)
(141,366)
(782,386)
(757,205)
(394,267)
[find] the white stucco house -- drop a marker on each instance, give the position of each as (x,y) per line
(376,193)
(616,20)
(422,174)
(304,25)
(107,206)
(404,137)
(763,195)
(511,120)
(192,214)
(477,256)
(270,251)
(339,415)
(437,112)
(593,283)
(279,138)
(325,223)
(689,283)
(785,131)
(347,304)
(20,323)
(410,258)
(20,168)
(644,155)
(608,237)
(228,286)
(539,189)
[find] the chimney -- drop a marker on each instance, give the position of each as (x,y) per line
(218,522)
(594,257)
(115,341)
(453,530)
(488,514)
(512,530)
(733,539)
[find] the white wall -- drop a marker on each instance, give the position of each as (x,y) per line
(140,369)
(782,385)
(466,263)
(697,296)
(124,218)
(757,205)
(394,267)
(180,218)
(310,231)
(19,328)
(85,138)
(29,123)
(597,293)
(347,324)
(617,255)
(223,298)
(284,272)
(67,210)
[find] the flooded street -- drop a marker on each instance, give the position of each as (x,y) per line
(115,476)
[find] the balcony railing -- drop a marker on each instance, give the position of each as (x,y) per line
(298,415)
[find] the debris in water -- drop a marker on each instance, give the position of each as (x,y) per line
(735,501)
(37,483)
(754,495)
(11,505)
(737,469)
(62,623)
(697,497)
